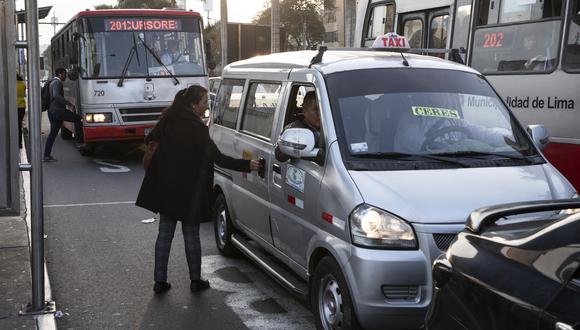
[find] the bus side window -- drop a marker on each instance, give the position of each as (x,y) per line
(381,20)
(413,29)
(572,48)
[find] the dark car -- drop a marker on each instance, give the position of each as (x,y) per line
(515,266)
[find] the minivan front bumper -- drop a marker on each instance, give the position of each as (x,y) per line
(373,274)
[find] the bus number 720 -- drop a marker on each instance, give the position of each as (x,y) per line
(99,93)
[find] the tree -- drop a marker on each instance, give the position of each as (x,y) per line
(139,4)
(146,4)
(301,19)
(97,7)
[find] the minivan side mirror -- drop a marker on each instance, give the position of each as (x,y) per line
(540,135)
(298,143)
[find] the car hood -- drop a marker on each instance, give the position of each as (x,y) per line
(449,195)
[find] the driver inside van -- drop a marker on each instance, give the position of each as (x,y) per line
(310,120)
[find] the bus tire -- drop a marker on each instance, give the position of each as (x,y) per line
(223,228)
(330,298)
(65,134)
(86,149)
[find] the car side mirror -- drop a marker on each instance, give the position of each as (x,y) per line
(540,135)
(298,143)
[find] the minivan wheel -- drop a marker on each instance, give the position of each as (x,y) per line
(330,298)
(223,228)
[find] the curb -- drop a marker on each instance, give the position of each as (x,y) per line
(43,321)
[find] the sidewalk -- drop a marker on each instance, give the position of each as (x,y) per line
(15,268)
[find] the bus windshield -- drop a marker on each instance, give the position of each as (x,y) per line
(422,112)
(520,36)
(110,43)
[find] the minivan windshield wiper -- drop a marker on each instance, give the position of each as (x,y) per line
(409,157)
(479,154)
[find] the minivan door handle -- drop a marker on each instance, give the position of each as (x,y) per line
(276,168)
(262,171)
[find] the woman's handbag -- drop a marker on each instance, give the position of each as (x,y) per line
(149,153)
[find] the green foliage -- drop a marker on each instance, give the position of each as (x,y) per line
(139,4)
(301,19)
(97,7)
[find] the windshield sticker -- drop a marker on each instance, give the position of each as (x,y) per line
(435,112)
(295,178)
(359,147)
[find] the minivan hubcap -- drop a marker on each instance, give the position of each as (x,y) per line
(221,223)
(330,304)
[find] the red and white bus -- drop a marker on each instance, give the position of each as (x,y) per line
(125,67)
(529,50)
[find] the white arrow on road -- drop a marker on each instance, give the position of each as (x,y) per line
(112,168)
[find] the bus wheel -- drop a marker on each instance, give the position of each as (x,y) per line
(223,228)
(65,134)
(86,149)
(330,299)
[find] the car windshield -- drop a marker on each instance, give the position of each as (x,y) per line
(401,112)
(110,44)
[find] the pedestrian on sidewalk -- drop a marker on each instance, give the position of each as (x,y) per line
(179,178)
(58,113)
(21,104)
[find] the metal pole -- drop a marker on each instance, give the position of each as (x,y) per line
(37,213)
(224,31)
(275,29)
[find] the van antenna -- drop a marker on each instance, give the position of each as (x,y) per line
(318,58)
(405,63)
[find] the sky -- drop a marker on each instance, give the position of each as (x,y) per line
(238,11)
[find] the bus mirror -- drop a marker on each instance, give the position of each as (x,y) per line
(73,74)
(211,63)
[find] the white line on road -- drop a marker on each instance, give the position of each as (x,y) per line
(89,204)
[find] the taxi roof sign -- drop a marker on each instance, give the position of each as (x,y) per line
(391,41)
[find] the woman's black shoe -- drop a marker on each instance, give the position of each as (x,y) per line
(198,285)
(160,287)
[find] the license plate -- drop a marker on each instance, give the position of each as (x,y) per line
(147,131)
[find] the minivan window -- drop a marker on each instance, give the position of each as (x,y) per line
(262,101)
(383,112)
(228,103)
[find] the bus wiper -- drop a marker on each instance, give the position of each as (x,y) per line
(156,57)
(127,62)
(409,157)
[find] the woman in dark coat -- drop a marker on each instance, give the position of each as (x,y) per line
(178,181)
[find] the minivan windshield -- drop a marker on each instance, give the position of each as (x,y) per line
(422,114)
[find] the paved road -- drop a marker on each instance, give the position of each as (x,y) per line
(100,257)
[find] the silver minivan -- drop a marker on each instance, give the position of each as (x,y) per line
(408,146)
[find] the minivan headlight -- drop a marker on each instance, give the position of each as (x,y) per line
(572,211)
(373,227)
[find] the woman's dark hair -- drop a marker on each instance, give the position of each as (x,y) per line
(183,101)
(188,96)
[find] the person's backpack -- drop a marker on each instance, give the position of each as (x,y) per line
(45,98)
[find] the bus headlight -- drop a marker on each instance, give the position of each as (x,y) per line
(106,117)
(373,227)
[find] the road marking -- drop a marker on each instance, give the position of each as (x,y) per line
(243,296)
(112,168)
(88,204)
